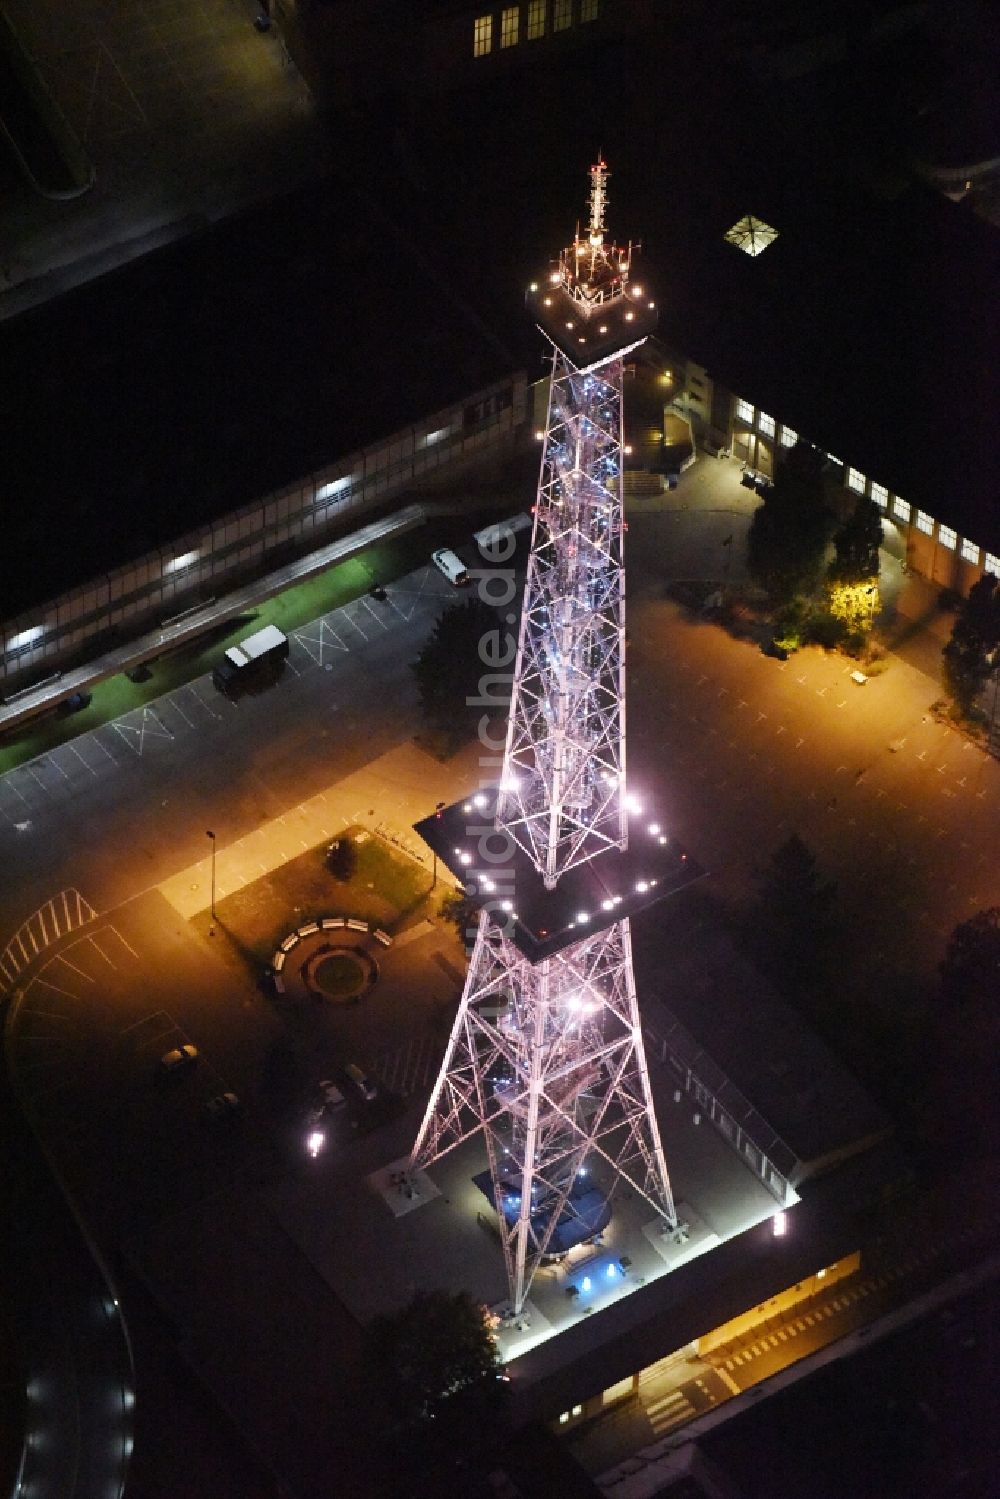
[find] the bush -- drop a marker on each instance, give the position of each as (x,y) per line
(823,628)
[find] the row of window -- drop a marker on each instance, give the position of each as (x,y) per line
(540,17)
(766,425)
(901,509)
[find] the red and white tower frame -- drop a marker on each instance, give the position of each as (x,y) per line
(546,1054)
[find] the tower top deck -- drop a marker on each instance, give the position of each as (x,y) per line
(587,305)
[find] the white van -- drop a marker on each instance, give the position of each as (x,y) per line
(451,565)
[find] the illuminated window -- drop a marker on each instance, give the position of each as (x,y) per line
(510,20)
(562,14)
(789,437)
(992,564)
(766,424)
(588,10)
(880,495)
(925,523)
(482,36)
(536,23)
(577,1410)
(855,480)
(947,537)
(834,459)
(901,508)
(564,1418)
(970,552)
(744,410)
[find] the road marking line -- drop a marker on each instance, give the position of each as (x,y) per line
(68,992)
(95,944)
(53,761)
(82,761)
(60,959)
(177,708)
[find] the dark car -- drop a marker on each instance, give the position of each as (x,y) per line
(222,1106)
(74,703)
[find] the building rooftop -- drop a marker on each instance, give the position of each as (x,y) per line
(815,1105)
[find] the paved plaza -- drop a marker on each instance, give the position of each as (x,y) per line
(187,114)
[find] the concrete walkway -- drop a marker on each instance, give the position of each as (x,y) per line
(388,796)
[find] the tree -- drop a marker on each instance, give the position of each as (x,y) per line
(970,654)
(857,544)
(970,971)
(436,1360)
(463,909)
(791,916)
(789,530)
(450,669)
(342,859)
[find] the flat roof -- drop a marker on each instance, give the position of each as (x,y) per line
(689,969)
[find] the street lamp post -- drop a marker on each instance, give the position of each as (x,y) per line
(211,930)
(438,809)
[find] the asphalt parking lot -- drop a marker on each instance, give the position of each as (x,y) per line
(740,749)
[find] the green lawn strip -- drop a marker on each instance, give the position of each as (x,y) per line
(298,606)
(252,922)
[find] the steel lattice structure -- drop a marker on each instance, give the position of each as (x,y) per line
(546,1055)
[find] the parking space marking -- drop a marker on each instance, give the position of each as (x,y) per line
(327,639)
(150,724)
(49,985)
(352,621)
(209,709)
(178,709)
(60,958)
(374,613)
(73,750)
(93,739)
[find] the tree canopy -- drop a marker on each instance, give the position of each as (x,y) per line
(791,916)
(789,529)
(455,670)
(856,544)
(970,971)
(969,655)
(436,1359)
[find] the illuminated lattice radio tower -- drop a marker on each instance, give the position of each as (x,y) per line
(546,1054)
